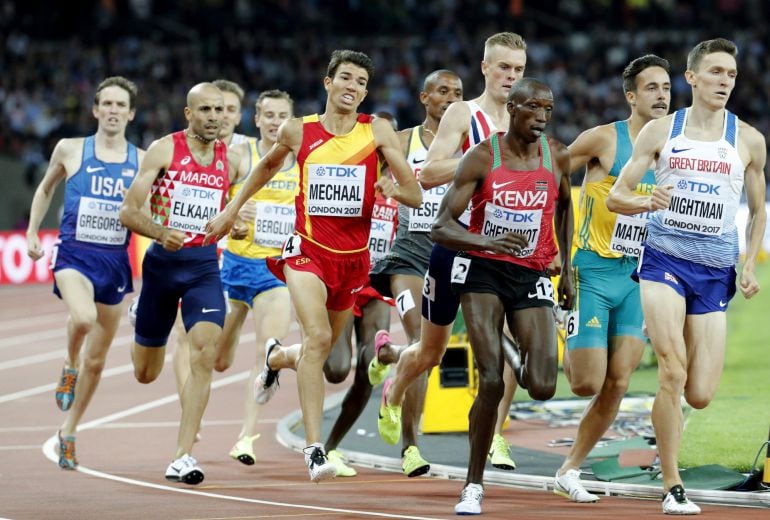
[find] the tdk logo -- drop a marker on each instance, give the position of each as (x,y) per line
(337,171)
(378,226)
(698,187)
(513,217)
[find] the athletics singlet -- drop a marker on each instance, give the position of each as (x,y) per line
(699,224)
(275,212)
(384,221)
(518,201)
(336,189)
(92,198)
(481,126)
(188,195)
(602,231)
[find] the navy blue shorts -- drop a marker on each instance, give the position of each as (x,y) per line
(705,289)
(108,270)
(190,274)
(246,278)
(439,302)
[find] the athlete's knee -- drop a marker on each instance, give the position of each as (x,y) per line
(83,323)
(94,365)
(220,365)
(336,374)
(318,339)
(672,376)
(491,384)
(698,398)
(540,389)
(146,374)
(584,387)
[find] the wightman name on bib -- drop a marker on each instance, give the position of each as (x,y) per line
(336,190)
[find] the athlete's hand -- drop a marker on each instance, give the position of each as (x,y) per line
(171,239)
(248,212)
(34,251)
(749,285)
(240,229)
(566,290)
(554,268)
(661,197)
(218,227)
(386,186)
(509,243)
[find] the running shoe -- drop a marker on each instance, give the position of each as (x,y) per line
(338,459)
(413,464)
(389,420)
(376,371)
(470,500)
(67,457)
(65,392)
(319,467)
(185,469)
(266,384)
(569,486)
(500,455)
(675,502)
(243,451)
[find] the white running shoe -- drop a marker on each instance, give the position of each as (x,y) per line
(185,469)
(675,502)
(569,486)
(266,384)
(318,464)
(470,500)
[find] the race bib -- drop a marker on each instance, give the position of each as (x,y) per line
(404,302)
(336,190)
(98,222)
(629,233)
(273,223)
(460,267)
(499,220)
(429,288)
(292,247)
(421,219)
(572,324)
(696,207)
(380,239)
(542,290)
(192,207)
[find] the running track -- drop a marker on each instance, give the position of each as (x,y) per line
(128,435)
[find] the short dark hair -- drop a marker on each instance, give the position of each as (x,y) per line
(710,47)
(359,59)
(522,89)
(225,85)
(118,81)
(636,66)
(433,76)
(273,94)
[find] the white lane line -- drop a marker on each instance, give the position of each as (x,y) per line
(50,453)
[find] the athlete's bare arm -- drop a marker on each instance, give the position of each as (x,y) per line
(447,230)
(649,143)
(754,182)
(564,221)
(441,163)
(289,140)
(157,159)
(407,191)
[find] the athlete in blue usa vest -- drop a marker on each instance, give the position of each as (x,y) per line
(703,156)
(90,263)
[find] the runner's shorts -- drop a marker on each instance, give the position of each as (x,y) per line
(108,270)
(517,287)
(190,274)
(246,278)
(607,300)
(705,289)
(344,274)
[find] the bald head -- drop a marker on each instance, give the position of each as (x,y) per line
(200,91)
(525,88)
